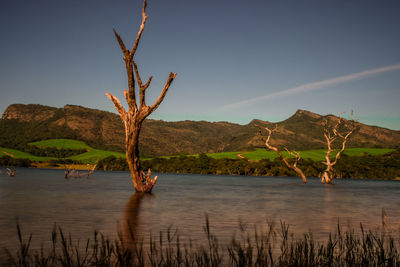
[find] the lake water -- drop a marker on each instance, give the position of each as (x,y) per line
(40,198)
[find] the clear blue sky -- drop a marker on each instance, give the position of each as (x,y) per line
(236,60)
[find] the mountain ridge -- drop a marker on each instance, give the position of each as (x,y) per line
(22,123)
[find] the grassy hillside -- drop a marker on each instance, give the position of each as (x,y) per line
(96,154)
(90,156)
(21,155)
(61,143)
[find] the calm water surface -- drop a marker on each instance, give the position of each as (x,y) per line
(40,198)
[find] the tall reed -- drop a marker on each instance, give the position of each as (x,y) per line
(272,246)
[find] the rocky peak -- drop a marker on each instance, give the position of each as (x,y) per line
(26,113)
(301,112)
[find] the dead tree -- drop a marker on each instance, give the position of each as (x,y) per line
(134,117)
(295,154)
(11,172)
(341,130)
(73,173)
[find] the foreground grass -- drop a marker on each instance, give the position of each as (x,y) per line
(258,247)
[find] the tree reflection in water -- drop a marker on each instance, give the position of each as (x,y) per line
(130,226)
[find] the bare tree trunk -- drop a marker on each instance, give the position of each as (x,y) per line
(330,136)
(134,117)
(285,160)
(132,157)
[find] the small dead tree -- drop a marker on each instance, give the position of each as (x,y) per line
(74,173)
(11,172)
(134,117)
(341,130)
(295,154)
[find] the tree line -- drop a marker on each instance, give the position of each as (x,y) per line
(385,166)
(52,151)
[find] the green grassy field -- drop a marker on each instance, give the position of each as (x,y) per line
(61,143)
(225,155)
(316,155)
(22,155)
(92,155)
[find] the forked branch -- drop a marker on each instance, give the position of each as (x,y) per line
(144,18)
(295,154)
(121,44)
(121,110)
(171,78)
(342,129)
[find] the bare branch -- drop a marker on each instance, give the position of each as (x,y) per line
(121,44)
(285,160)
(143,87)
(139,80)
(345,138)
(118,106)
(144,17)
(143,92)
(146,85)
(269,134)
(294,154)
(163,93)
(338,132)
(126,94)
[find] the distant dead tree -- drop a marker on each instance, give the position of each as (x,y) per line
(339,131)
(74,173)
(295,154)
(11,172)
(134,117)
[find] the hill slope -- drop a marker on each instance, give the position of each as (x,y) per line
(22,124)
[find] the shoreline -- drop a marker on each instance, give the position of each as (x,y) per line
(88,167)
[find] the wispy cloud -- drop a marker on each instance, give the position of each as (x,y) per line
(312,86)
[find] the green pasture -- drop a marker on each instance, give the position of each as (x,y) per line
(218,155)
(225,155)
(369,151)
(92,155)
(22,155)
(61,144)
(315,155)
